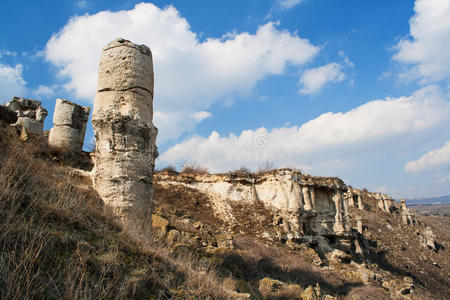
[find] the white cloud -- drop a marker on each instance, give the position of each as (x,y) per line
(313,80)
(82,4)
(428,46)
(444,179)
(328,142)
(7,53)
(288,4)
(11,82)
(190,75)
(201,115)
(45,91)
(435,159)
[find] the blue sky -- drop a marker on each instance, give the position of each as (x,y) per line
(355,89)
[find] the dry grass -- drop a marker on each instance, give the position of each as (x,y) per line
(169,169)
(194,169)
(58,241)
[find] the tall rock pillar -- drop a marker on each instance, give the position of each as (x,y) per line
(124,132)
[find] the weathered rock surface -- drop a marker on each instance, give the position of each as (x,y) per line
(8,115)
(30,114)
(428,239)
(69,120)
(124,131)
(304,205)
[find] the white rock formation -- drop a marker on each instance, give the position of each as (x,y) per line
(307,205)
(124,132)
(31,114)
(69,126)
(428,239)
(359,224)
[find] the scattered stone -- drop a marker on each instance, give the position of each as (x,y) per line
(30,115)
(160,224)
(338,257)
(173,237)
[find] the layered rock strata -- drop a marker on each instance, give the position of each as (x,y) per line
(306,205)
(124,132)
(69,126)
(30,115)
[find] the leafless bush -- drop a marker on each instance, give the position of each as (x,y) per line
(242,170)
(194,169)
(265,166)
(169,169)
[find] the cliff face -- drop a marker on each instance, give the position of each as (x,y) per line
(300,205)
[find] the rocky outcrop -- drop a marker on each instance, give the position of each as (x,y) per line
(30,115)
(8,116)
(69,120)
(428,239)
(303,205)
(354,198)
(124,132)
(408,217)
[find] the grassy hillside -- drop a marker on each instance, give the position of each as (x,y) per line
(57,240)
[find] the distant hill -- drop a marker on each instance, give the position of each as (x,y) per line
(431,200)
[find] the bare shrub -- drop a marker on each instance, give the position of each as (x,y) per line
(242,170)
(169,169)
(194,169)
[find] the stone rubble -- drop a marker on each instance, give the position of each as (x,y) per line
(30,115)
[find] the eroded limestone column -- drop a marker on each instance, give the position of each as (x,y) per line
(380,202)
(306,198)
(69,126)
(338,218)
(351,201)
(387,203)
(403,204)
(313,198)
(404,218)
(124,131)
(359,225)
(358,249)
(360,203)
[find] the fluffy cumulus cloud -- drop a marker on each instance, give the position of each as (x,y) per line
(288,4)
(433,160)
(11,82)
(313,80)
(329,141)
(190,74)
(427,48)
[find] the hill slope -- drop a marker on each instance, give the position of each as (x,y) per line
(58,240)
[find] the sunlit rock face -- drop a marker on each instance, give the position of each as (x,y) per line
(305,205)
(30,114)
(124,132)
(69,126)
